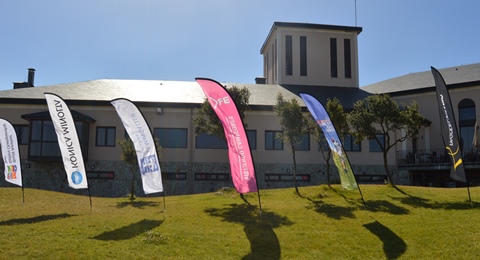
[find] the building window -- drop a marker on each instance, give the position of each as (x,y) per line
(467,120)
(272,142)
(275,64)
(206,141)
(22,133)
(304,144)
(44,142)
(333,58)
(252,139)
(212,176)
(348,58)
(288,55)
(286,177)
(105,136)
(178,176)
(350,145)
(172,137)
(374,146)
(105,175)
(303,55)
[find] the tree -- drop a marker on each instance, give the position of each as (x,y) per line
(377,118)
(129,156)
(339,120)
(206,120)
(293,125)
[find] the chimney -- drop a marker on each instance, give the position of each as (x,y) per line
(261,80)
(29,84)
(31,76)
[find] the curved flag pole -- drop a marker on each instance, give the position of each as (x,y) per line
(137,128)
(241,161)
(448,128)
(11,155)
(68,142)
(347,177)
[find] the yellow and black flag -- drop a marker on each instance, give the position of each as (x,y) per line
(449,128)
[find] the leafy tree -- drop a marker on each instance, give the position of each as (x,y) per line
(293,125)
(379,115)
(129,155)
(339,120)
(207,122)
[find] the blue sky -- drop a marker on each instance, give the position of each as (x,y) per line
(70,41)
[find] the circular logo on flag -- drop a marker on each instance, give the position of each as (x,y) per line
(76,177)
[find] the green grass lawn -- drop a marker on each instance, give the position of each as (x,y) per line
(326,223)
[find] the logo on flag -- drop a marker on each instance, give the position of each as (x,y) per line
(148,164)
(12,172)
(77,177)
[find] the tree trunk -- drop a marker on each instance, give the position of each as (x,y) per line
(132,187)
(389,175)
(328,167)
(295,170)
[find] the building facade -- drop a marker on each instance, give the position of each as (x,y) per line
(424,159)
(321,60)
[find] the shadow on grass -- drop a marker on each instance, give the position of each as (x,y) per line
(130,231)
(393,245)
(331,210)
(418,202)
(386,206)
(264,243)
(18,221)
(137,204)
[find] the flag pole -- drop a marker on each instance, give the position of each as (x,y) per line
(360,191)
(23,190)
(164,206)
(469,197)
(90,196)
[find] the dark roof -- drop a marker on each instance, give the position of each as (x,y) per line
(347,96)
(174,93)
(424,80)
(358,30)
(171,93)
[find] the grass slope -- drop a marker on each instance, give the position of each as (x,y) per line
(326,223)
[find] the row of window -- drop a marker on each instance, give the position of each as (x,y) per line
(43,141)
(347,56)
(108,175)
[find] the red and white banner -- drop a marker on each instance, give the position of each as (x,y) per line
(10,152)
(241,162)
(141,136)
(68,141)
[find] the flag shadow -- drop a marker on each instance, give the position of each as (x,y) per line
(130,231)
(419,202)
(387,207)
(264,243)
(393,245)
(137,204)
(331,210)
(18,221)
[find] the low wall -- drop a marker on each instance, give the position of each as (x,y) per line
(114,178)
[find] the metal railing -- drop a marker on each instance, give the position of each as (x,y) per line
(432,157)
